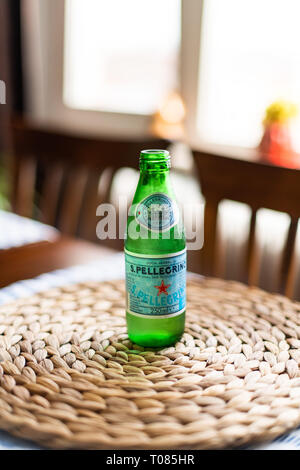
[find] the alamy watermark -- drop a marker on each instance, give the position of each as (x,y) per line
(113,223)
(2,92)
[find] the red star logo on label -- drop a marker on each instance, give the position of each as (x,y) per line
(162,289)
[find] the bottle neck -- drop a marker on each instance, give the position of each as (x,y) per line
(155,178)
(155,161)
(152,167)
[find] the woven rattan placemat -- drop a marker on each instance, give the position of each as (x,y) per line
(70,378)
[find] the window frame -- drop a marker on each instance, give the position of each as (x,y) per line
(43,36)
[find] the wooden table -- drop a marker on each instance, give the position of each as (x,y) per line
(28,261)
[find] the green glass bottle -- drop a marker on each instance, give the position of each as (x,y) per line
(155,257)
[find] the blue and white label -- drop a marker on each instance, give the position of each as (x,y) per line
(157,212)
(155,285)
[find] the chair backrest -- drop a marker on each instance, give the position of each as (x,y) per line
(258,185)
(66,169)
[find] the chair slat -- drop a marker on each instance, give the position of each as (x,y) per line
(25,182)
(91,199)
(210,232)
(287,273)
(253,252)
(50,192)
(105,184)
(72,199)
(219,262)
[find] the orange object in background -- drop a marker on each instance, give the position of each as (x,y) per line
(276,143)
(167,122)
(276,146)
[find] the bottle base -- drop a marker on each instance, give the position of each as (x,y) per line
(155,332)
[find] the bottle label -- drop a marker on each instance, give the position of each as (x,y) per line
(157,212)
(156,285)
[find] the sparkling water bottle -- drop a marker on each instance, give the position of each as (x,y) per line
(155,257)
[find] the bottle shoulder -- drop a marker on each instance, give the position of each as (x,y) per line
(156,243)
(154,224)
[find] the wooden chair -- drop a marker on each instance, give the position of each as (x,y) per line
(59,174)
(260,186)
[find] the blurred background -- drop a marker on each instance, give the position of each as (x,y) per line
(86,84)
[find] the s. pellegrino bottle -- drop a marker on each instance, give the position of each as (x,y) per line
(155,257)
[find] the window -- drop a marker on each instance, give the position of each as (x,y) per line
(229,59)
(249,57)
(121,56)
(104,67)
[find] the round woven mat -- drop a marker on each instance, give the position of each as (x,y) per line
(70,378)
